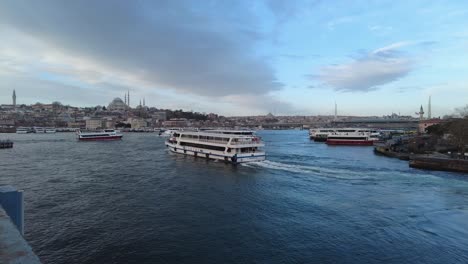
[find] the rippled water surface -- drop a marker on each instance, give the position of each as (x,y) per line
(131,201)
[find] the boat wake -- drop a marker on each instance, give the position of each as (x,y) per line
(307,169)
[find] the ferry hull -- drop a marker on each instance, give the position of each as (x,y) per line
(320,139)
(350,142)
(206,154)
(106,138)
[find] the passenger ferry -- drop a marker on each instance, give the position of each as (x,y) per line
(39,130)
(50,130)
(353,136)
(226,145)
(23,130)
(107,134)
(320,134)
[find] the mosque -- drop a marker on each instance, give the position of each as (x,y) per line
(119,105)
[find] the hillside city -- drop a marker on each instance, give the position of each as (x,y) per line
(119,114)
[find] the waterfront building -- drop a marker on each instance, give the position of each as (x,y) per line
(424,124)
(137,123)
(94,123)
(109,122)
(77,124)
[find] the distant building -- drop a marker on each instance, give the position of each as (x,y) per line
(109,122)
(117,105)
(159,116)
(424,124)
(137,122)
(78,124)
(176,122)
(42,107)
(94,123)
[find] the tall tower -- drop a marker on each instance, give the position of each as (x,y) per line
(336,112)
(125,98)
(143,101)
(429,109)
(14,99)
(421,113)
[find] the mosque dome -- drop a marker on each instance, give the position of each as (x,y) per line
(117,105)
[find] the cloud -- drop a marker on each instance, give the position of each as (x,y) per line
(332,24)
(189,47)
(369,71)
(261,104)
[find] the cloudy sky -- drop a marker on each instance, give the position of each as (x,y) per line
(235,57)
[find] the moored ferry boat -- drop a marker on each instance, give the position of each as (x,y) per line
(229,146)
(39,130)
(23,130)
(107,134)
(320,134)
(353,136)
(50,130)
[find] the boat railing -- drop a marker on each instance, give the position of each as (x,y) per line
(209,140)
(246,142)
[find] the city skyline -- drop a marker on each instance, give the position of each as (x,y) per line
(241,58)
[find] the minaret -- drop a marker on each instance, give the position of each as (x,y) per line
(143,101)
(128,98)
(14,99)
(429,114)
(140,102)
(125,98)
(421,113)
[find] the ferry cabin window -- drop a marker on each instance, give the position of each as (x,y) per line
(195,145)
(247,150)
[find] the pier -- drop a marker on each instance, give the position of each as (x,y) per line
(431,162)
(13,247)
(6,144)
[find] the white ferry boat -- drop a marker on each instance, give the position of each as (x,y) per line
(229,146)
(320,134)
(23,130)
(167,133)
(39,130)
(50,130)
(107,134)
(353,136)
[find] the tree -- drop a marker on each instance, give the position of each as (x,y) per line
(462,111)
(437,130)
(459,133)
(56,105)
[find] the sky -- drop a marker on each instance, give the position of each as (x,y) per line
(235,57)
